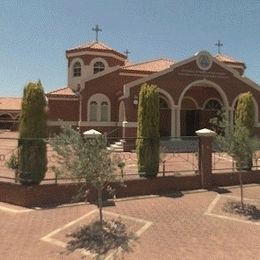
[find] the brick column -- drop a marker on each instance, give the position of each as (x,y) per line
(206,137)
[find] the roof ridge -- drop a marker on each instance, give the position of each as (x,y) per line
(148,61)
(92,44)
(103,44)
(57,90)
(12,97)
(229,57)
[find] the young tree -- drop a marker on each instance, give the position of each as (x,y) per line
(237,140)
(245,117)
(148,136)
(86,159)
(32,163)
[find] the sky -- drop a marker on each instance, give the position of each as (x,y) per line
(34,34)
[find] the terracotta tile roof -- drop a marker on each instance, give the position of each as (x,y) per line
(228,59)
(61,92)
(149,66)
(10,103)
(92,45)
(98,46)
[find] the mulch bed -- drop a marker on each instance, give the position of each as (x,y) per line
(231,207)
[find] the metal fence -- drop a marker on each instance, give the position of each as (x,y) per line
(178,157)
(223,162)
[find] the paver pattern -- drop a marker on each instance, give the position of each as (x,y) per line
(180,229)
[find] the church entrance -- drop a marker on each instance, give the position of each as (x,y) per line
(199,106)
(165,118)
(190,122)
(190,117)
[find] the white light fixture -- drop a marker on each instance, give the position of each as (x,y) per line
(135,102)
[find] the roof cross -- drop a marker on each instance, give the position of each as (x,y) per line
(97,30)
(219,44)
(126,52)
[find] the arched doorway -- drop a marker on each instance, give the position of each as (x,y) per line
(198,103)
(190,116)
(165,117)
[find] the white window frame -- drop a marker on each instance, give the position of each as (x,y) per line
(94,119)
(77,71)
(98,59)
(209,99)
(99,99)
(71,68)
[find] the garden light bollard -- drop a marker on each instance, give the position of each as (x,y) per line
(124,124)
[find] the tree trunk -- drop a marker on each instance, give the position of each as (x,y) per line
(100,206)
(241,190)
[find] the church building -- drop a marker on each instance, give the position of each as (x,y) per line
(103,86)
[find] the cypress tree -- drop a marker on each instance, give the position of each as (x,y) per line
(245,112)
(148,137)
(33,130)
(245,118)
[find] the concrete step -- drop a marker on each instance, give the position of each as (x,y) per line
(116,147)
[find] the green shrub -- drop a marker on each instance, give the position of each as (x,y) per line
(12,163)
(148,137)
(33,130)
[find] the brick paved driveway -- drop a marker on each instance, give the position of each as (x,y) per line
(180,230)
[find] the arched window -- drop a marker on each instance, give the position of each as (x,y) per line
(93,111)
(163,103)
(98,67)
(213,105)
(99,108)
(77,69)
(104,111)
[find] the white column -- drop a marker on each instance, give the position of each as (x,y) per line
(178,122)
(173,121)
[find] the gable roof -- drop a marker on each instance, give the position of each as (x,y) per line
(149,66)
(95,46)
(10,103)
(227,59)
(183,62)
(61,92)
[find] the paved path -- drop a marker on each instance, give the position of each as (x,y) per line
(180,229)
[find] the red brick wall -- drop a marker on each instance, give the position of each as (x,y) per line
(48,194)
(232,178)
(66,110)
(110,85)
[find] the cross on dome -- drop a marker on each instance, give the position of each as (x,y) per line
(97,30)
(219,44)
(126,52)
